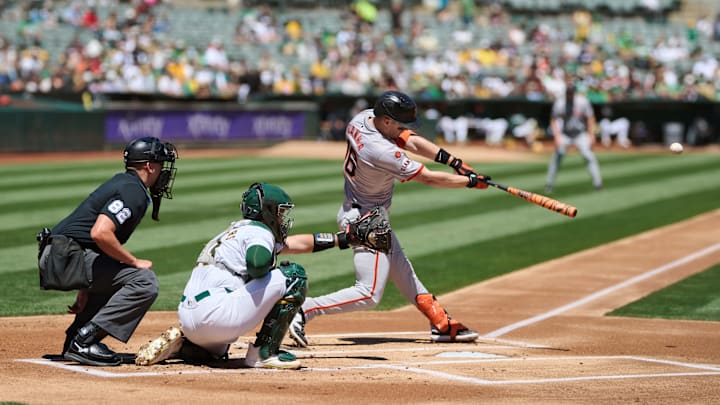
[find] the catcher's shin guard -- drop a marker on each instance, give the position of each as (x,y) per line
(444,328)
(265,352)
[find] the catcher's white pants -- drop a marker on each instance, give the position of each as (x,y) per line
(213,318)
(372,270)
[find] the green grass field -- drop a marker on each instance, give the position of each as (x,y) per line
(454,237)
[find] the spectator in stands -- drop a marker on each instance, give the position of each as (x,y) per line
(90,19)
(422,56)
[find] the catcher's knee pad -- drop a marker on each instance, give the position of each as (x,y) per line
(277,322)
(428,305)
(296,282)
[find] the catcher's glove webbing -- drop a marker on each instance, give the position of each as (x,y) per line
(371,230)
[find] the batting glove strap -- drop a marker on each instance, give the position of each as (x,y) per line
(461,168)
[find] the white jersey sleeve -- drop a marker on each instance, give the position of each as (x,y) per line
(228,249)
(373,163)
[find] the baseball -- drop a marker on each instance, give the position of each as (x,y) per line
(676,147)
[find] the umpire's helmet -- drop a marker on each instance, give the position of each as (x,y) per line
(270,205)
(398,107)
(149,149)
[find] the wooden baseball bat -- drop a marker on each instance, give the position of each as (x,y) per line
(537,199)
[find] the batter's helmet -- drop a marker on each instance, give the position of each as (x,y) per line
(149,149)
(397,106)
(270,205)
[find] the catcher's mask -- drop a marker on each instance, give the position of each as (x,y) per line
(270,205)
(151,149)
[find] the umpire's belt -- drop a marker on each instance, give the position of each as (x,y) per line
(203,295)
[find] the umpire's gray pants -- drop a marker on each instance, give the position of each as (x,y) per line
(582,143)
(118,296)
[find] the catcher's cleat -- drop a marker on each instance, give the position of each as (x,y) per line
(457,332)
(297,329)
(167,345)
(281,360)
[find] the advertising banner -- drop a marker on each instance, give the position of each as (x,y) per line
(122,126)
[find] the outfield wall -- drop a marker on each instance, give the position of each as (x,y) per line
(52,125)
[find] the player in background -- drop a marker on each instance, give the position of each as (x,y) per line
(377,142)
(573,123)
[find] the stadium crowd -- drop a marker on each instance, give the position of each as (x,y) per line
(132,47)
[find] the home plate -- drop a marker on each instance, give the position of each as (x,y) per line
(474,355)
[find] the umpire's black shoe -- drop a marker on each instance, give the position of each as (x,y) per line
(94,355)
(87,349)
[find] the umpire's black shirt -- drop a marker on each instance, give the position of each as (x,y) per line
(123,198)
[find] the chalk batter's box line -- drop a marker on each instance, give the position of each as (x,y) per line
(708,370)
(509,342)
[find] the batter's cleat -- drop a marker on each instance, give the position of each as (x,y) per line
(282,360)
(165,346)
(457,332)
(297,329)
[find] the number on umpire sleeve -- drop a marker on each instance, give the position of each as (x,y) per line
(118,208)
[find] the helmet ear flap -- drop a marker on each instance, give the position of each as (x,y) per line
(252,202)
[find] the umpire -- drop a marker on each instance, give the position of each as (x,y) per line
(85,252)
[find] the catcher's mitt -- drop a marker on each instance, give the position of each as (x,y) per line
(371,230)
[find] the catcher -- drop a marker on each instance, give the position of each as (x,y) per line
(237,283)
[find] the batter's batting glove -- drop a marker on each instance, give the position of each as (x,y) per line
(477,181)
(461,168)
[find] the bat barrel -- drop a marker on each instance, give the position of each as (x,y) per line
(545,202)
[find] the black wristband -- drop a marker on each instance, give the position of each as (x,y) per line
(322,241)
(456,163)
(343,242)
(442,156)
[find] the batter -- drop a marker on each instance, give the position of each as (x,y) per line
(377,141)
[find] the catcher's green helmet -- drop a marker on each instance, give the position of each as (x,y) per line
(271,205)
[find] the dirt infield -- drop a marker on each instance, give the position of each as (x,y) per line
(545,339)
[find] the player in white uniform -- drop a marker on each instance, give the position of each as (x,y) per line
(573,123)
(376,158)
(236,285)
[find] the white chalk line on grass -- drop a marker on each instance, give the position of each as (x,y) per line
(711,370)
(644,276)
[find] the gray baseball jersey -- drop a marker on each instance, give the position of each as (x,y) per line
(577,120)
(372,165)
(574,132)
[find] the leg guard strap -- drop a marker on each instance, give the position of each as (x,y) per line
(276,323)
